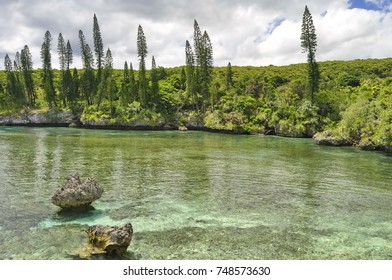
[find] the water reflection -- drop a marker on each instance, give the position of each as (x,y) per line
(197,195)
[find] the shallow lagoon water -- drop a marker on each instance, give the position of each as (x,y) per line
(196,195)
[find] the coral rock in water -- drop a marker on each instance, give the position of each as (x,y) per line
(110,240)
(75,194)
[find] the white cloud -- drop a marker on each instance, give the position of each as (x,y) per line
(283,45)
(355,33)
(244,32)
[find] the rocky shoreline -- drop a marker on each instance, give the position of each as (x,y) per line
(328,138)
(69,119)
(51,118)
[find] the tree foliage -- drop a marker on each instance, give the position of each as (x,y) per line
(13,87)
(154,100)
(47,74)
(199,68)
(26,65)
(229,77)
(87,82)
(98,47)
(309,45)
(190,75)
(142,54)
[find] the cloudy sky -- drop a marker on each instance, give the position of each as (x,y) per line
(243,32)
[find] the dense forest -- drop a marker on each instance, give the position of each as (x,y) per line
(352,100)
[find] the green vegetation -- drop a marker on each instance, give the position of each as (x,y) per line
(142,54)
(350,99)
(367,121)
(47,73)
(309,45)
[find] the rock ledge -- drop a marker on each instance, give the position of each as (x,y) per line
(329,139)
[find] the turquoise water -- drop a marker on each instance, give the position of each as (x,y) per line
(195,195)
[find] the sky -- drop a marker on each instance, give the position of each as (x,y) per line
(243,32)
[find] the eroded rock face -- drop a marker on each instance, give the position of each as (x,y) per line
(75,194)
(329,139)
(49,118)
(110,240)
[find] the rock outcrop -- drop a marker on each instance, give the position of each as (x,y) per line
(75,194)
(109,240)
(329,139)
(52,118)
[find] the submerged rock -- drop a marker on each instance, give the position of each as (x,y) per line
(108,240)
(329,139)
(75,194)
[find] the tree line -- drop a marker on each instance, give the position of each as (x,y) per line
(95,83)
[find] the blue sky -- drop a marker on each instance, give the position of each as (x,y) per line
(376,5)
(243,32)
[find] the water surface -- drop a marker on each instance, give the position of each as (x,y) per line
(195,195)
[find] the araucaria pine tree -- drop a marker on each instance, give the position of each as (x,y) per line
(309,45)
(142,54)
(132,84)
(154,83)
(62,51)
(47,72)
(229,77)
(98,47)
(26,64)
(202,74)
(189,66)
(13,86)
(87,80)
(125,96)
(206,67)
(71,92)
(106,88)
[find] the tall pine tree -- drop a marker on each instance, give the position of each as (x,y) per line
(190,75)
(61,49)
(229,77)
(47,71)
(13,87)
(105,88)
(87,80)
(202,74)
(65,60)
(125,97)
(17,62)
(198,54)
(206,70)
(198,43)
(26,63)
(62,52)
(309,45)
(142,54)
(154,83)
(133,87)
(74,90)
(98,47)
(70,92)
(19,79)
(68,55)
